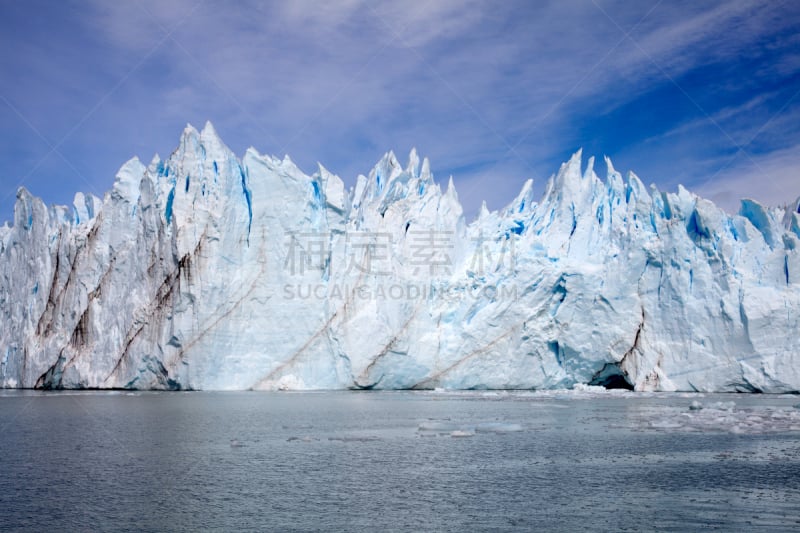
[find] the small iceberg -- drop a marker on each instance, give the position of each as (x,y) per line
(498,427)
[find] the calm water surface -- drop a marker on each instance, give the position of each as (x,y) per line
(397,461)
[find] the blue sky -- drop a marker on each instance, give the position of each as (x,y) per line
(700,93)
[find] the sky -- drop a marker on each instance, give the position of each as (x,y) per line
(704,94)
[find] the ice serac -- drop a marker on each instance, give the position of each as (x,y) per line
(207,271)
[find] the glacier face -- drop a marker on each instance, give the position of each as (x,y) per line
(205,271)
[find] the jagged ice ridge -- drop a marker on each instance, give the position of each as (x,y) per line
(205,271)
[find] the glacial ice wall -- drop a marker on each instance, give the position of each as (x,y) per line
(205,271)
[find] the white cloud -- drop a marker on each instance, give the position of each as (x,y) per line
(772,179)
(341,82)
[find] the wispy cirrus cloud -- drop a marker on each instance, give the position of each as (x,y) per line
(772,178)
(493,93)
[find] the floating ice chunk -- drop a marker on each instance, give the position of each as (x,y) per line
(438,426)
(722,406)
(498,427)
(354,439)
(724,417)
(302,439)
(443,428)
(588,388)
(665,424)
(462,433)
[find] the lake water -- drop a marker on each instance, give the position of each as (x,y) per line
(363,461)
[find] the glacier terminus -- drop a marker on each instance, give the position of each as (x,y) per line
(207,271)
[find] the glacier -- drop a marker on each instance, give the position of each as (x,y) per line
(207,271)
